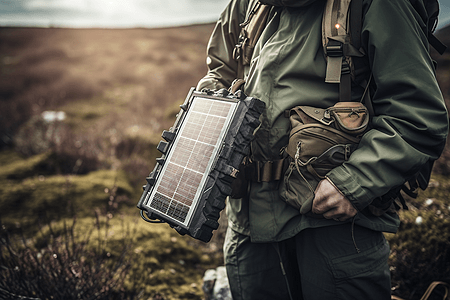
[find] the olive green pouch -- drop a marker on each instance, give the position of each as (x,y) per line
(319,140)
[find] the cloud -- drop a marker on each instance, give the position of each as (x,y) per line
(108,13)
(123,14)
(444,14)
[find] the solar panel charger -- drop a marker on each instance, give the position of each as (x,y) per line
(201,155)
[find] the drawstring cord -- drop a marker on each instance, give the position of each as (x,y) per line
(277,249)
(296,162)
(353,235)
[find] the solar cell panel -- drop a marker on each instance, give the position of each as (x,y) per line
(195,162)
(185,171)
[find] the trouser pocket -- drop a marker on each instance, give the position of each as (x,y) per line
(364,275)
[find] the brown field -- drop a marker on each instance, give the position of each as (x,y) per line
(119,87)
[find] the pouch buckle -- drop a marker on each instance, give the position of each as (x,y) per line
(327,120)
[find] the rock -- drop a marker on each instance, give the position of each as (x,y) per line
(215,284)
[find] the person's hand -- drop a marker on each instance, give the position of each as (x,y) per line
(331,203)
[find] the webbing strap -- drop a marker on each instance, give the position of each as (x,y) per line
(265,171)
(337,45)
(334,37)
(345,87)
(437,44)
(334,17)
(252,28)
(334,67)
(269,170)
(356,12)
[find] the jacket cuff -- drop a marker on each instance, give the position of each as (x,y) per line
(351,189)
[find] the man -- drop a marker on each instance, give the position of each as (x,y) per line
(271,250)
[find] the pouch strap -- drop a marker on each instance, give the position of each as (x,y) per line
(316,113)
(236,85)
(313,171)
(336,155)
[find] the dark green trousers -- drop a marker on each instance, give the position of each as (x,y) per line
(335,262)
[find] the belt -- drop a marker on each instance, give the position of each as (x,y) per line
(264,171)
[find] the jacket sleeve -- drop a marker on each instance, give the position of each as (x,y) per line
(410,123)
(222,68)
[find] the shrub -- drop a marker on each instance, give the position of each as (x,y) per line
(62,264)
(420,251)
(102,258)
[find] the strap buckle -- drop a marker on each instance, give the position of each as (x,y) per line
(239,47)
(335,49)
(345,67)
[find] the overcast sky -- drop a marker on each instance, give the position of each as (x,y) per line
(108,13)
(444,15)
(120,14)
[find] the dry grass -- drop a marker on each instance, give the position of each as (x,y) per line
(118,88)
(106,78)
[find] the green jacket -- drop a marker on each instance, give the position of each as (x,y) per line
(288,69)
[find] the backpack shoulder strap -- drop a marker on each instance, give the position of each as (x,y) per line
(339,44)
(429,12)
(334,36)
(251,30)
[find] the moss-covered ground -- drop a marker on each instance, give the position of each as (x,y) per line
(160,260)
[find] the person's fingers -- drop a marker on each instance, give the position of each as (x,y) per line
(331,203)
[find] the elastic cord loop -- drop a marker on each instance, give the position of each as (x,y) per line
(148,220)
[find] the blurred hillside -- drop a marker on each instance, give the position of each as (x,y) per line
(81,113)
(118,90)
